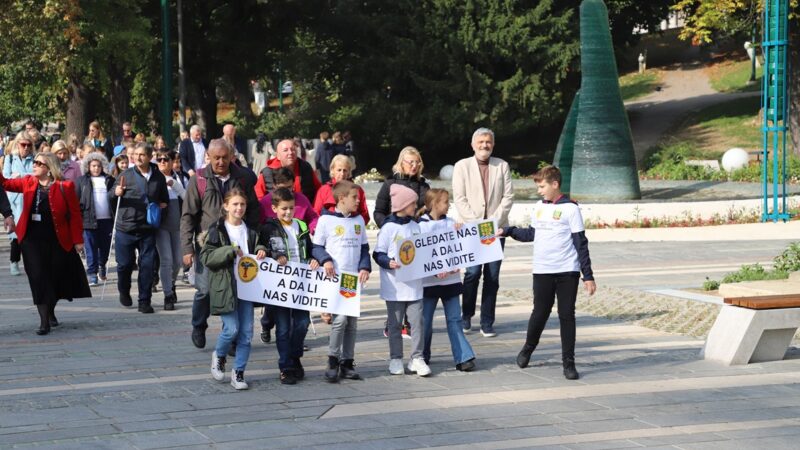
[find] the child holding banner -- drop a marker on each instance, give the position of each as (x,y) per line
(224,241)
(288,239)
(340,244)
(560,254)
(446,286)
(402,298)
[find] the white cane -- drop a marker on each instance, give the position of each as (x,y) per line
(313,329)
(111,245)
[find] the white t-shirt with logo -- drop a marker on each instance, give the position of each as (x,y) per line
(390,239)
(293,248)
(342,238)
(553,248)
(238,235)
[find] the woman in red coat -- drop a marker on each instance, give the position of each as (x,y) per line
(50,232)
(341,168)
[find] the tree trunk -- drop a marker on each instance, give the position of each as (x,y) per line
(244,95)
(77,109)
(119,100)
(207,113)
(794,87)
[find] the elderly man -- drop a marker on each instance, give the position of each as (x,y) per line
(127,134)
(239,145)
(305,180)
(202,206)
(482,190)
(137,186)
(193,151)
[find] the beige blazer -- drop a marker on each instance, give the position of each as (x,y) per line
(468,191)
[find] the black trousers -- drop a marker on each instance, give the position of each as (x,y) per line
(16,251)
(546,288)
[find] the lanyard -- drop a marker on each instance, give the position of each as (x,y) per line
(39,191)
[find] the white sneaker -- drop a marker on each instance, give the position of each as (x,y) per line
(217,367)
(237,380)
(396,367)
(15,268)
(418,366)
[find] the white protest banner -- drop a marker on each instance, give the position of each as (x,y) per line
(441,251)
(296,286)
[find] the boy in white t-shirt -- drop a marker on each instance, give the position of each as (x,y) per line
(560,254)
(340,244)
(288,239)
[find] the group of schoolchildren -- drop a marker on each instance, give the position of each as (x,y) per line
(339,243)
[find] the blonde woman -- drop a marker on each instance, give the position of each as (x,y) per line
(407,171)
(70,170)
(99,140)
(341,168)
(18,163)
(50,231)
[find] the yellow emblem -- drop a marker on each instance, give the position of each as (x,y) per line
(339,230)
(248,269)
(406,252)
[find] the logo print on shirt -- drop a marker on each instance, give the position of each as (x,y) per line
(557,214)
(357,229)
(338,231)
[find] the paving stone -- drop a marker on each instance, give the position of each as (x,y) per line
(168,439)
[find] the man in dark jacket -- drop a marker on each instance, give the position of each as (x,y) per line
(193,151)
(136,187)
(202,206)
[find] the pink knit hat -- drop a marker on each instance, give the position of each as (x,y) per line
(402,196)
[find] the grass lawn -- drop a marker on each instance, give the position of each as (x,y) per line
(732,76)
(717,128)
(635,85)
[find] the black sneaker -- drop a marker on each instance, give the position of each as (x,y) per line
(146,309)
(332,374)
(199,337)
(466,325)
(169,302)
(266,336)
(347,370)
(570,372)
(125,299)
(524,356)
(299,371)
(466,366)
(287,377)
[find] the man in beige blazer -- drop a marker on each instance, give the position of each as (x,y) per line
(482,190)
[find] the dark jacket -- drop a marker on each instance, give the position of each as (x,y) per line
(132,216)
(218,255)
(186,153)
(5,205)
(273,235)
(200,212)
(383,203)
(86,199)
(579,240)
(319,253)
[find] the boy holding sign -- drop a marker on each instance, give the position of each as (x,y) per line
(402,298)
(288,239)
(340,244)
(560,254)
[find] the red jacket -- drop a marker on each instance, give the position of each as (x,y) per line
(69,232)
(262,188)
(325,200)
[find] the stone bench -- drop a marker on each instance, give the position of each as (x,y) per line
(753,329)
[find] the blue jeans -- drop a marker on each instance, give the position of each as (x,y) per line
(97,244)
(125,246)
(237,326)
(201,306)
(459,345)
(291,326)
(491,282)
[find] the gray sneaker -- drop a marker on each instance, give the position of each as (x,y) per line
(15,268)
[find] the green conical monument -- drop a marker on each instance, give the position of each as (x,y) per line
(603,166)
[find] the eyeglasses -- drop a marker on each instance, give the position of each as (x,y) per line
(413,163)
(163,159)
(37,163)
(24,144)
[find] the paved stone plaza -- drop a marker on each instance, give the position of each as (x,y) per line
(109,377)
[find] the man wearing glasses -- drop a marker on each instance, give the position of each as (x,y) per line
(482,190)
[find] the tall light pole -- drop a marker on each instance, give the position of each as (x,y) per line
(166,74)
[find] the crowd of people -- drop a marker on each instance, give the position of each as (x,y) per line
(200,206)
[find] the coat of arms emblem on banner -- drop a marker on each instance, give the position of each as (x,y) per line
(348,286)
(486,232)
